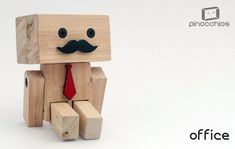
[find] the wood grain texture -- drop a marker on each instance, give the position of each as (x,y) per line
(90,120)
(54,83)
(98,83)
(27,39)
(33,98)
(37,38)
(64,120)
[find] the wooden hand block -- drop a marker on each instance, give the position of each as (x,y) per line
(64,120)
(33,98)
(90,120)
(98,83)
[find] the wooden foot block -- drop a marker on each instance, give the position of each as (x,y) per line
(98,83)
(64,120)
(90,120)
(33,98)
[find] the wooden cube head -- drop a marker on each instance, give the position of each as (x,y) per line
(44,39)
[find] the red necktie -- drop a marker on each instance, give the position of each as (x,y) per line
(69,88)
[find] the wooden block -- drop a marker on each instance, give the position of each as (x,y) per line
(27,39)
(98,83)
(33,98)
(37,38)
(90,120)
(54,83)
(64,120)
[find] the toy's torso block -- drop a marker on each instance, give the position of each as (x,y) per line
(55,74)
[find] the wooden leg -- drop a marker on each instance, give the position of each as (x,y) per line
(64,120)
(33,98)
(90,120)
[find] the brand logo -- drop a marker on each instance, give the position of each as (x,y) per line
(211,13)
(210,18)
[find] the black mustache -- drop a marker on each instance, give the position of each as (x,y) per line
(73,46)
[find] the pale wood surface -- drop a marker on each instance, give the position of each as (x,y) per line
(98,81)
(64,120)
(90,120)
(33,98)
(54,83)
(27,39)
(37,38)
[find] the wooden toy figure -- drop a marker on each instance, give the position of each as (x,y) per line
(66,91)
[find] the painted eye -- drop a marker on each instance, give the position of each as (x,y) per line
(62,32)
(90,33)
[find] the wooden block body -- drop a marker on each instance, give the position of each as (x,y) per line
(33,98)
(90,120)
(54,83)
(98,81)
(37,38)
(64,120)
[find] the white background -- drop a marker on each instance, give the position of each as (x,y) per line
(165,79)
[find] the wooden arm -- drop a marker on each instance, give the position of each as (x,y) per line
(33,98)
(98,82)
